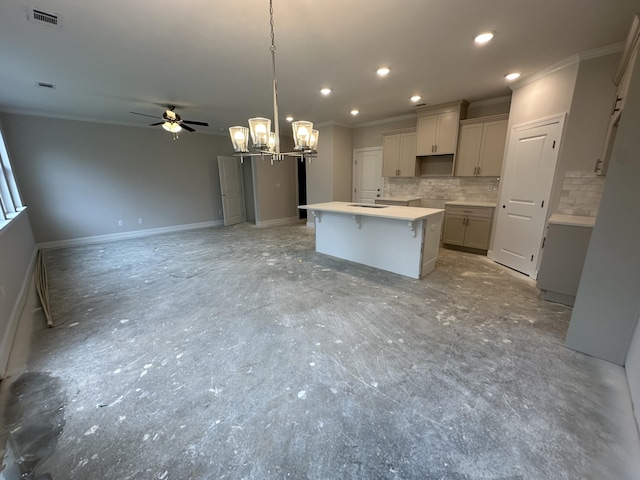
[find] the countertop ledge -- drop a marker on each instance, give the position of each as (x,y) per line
(369,210)
(572,220)
(468,203)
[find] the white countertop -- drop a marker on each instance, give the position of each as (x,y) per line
(369,210)
(572,220)
(468,203)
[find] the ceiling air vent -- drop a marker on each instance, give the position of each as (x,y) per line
(44,18)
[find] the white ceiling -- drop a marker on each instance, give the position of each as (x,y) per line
(211,57)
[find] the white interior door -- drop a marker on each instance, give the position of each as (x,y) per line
(232,191)
(367,174)
(532,153)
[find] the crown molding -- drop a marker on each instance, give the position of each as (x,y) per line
(573,59)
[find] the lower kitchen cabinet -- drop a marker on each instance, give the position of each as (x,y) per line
(467,226)
(564,250)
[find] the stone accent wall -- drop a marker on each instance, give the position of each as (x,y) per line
(435,191)
(581,193)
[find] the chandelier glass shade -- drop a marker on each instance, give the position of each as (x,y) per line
(264,141)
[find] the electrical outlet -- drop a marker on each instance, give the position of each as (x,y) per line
(140,221)
(121,223)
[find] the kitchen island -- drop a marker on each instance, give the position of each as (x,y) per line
(401,240)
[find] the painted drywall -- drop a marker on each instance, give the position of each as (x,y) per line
(632,368)
(320,171)
(544,97)
(605,313)
(17,254)
(486,108)
(275,191)
(587,122)
(371,135)
(342,160)
(80,178)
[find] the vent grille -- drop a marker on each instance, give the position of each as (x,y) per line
(44,18)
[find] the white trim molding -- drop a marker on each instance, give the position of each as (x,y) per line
(112,237)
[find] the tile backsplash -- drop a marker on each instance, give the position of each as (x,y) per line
(435,191)
(581,193)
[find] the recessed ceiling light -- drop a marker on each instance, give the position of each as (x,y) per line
(512,76)
(382,71)
(355,112)
(289,118)
(483,38)
(325,91)
(416,98)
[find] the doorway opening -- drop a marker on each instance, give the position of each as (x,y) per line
(302,188)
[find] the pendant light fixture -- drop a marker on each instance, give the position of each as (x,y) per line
(264,141)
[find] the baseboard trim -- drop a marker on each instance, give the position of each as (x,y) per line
(16,312)
(112,237)
(277,221)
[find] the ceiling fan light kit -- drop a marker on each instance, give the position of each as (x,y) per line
(172,122)
(266,142)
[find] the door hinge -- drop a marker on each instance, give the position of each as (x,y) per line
(554,144)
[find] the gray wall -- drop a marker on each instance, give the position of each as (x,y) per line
(544,97)
(371,135)
(276,190)
(586,126)
(17,253)
(320,171)
(79,178)
(329,176)
(342,168)
(608,301)
(632,367)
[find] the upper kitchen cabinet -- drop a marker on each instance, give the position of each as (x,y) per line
(399,154)
(481,146)
(438,128)
(621,81)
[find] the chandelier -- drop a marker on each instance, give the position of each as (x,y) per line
(264,141)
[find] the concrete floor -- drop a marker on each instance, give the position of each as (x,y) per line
(240,353)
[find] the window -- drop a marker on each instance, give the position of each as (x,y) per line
(10,201)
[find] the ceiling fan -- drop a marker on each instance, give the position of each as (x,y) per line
(172,122)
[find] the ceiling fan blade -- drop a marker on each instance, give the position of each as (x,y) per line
(144,115)
(154,124)
(187,128)
(190,122)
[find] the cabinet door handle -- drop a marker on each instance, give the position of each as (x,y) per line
(479,170)
(597,167)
